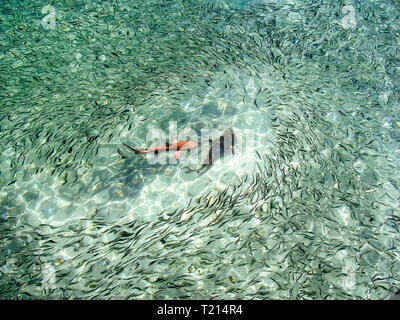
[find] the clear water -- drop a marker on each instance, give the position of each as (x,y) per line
(308,210)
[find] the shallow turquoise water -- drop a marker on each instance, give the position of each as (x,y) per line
(308,206)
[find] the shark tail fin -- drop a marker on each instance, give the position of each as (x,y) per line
(136,151)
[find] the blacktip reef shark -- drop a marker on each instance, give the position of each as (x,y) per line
(218,149)
(176,145)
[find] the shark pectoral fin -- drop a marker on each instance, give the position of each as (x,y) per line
(156,152)
(178,154)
